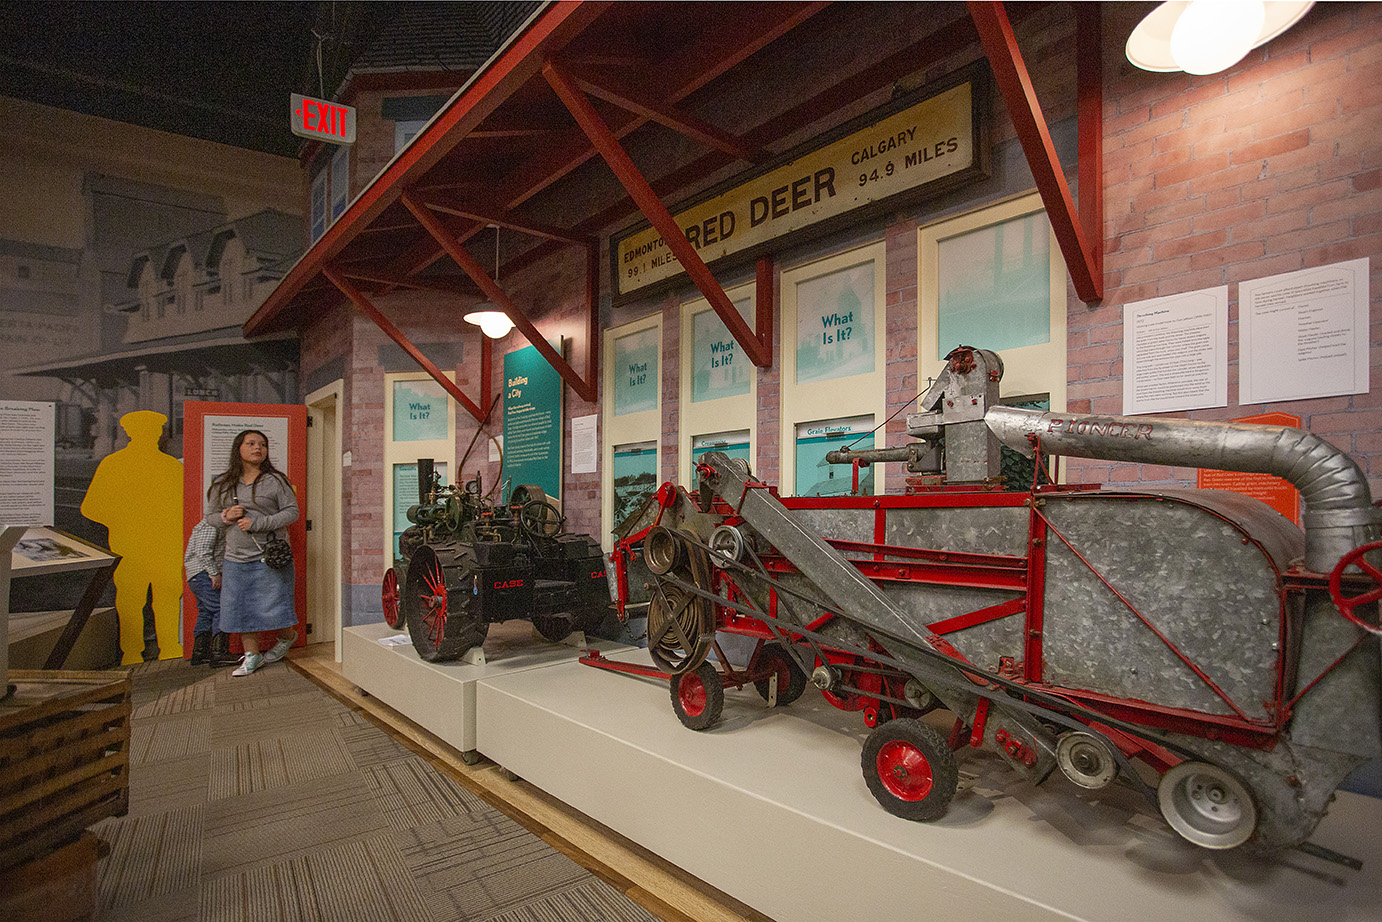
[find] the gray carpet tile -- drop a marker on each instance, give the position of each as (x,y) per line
(275,824)
(275,761)
(358,881)
(412,793)
(478,866)
(593,899)
(151,855)
(170,784)
(173,737)
(262,798)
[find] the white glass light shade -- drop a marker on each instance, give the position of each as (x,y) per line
(1214,35)
(1152,45)
(494,324)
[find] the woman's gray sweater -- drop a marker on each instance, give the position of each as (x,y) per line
(273,506)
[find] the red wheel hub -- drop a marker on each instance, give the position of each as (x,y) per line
(390,598)
(904,771)
(691,694)
(434,604)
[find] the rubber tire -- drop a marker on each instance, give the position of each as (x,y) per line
(464,628)
(708,713)
(554,628)
(775,657)
(911,734)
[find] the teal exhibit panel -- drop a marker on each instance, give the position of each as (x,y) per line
(816,477)
(734,444)
(532,422)
(635,477)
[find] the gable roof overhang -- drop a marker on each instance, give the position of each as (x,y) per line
(585,80)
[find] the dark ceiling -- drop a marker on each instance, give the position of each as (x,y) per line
(222,71)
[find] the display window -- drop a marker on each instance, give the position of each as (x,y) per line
(719,384)
(833,368)
(419,422)
(632,419)
(994,279)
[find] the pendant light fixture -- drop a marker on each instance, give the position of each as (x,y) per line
(1208,36)
(493,322)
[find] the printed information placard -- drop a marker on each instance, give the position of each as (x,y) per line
(26,462)
(717,368)
(1175,352)
(835,325)
(635,372)
(532,422)
(1304,334)
(419,411)
(817,477)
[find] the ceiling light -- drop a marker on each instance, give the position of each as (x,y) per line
(495,323)
(1208,36)
(487,316)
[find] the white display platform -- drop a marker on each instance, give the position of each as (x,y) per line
(771,807)
(441,696)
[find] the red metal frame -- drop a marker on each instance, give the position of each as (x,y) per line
(393,332)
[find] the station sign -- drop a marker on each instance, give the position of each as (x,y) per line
(905,150)
(321,120)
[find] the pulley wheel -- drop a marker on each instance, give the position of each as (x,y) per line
(679,629)
(1207,805)
(726,544)
(1085,760)
(442,621)
(1362,596)
(662,550)
(791,681)
(393,616)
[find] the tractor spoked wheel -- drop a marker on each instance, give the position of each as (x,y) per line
(791,681)
(389,595)
(909,769)
(442,622)
(698,697)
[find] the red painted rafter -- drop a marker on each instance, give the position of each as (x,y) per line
(369,310)
(1015,85)
(758,350)
(585,389)
(668,116)
(466,210)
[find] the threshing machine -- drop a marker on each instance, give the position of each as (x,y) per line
(1194,644)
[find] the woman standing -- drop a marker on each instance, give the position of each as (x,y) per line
(251,500)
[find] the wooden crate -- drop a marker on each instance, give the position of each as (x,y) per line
(64,758)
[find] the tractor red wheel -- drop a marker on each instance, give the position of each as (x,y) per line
(393,616)
(698,696)
(909,769)
(444,623)
(774,659)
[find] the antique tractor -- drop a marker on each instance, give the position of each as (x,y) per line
(1193,644)
(468,563)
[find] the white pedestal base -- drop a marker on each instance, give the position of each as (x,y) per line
(441,696)
(771,807)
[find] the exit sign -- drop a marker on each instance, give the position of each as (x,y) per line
(322,119)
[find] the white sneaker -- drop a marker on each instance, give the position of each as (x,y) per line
(280,649)
(251,662)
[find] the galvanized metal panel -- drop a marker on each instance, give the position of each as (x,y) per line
(977,530)
(1190,573)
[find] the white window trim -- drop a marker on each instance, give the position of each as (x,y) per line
(723,414)
(857,395)
(340,184)
(439,450)
(1039,369)
(631,427)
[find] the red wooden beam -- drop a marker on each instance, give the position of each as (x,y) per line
(760,352)
(1089,81)
(1015,84)
(394,333)
(586,389)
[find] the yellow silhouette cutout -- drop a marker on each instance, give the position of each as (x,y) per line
(137,494)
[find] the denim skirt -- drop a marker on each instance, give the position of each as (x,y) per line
(255,597)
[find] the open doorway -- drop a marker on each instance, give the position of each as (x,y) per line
(324,517)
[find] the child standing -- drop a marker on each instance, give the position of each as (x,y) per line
(206,548)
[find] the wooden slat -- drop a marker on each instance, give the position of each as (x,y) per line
(90,749)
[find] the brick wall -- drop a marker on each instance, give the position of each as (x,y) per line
(1270,167)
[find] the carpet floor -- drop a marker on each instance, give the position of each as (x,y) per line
(263,798)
